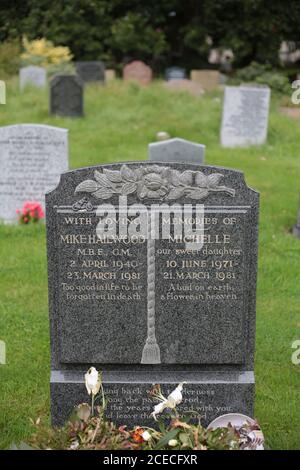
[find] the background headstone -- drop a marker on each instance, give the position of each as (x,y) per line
(245,116)
(296,229)
(290,112)
(176,150)
(208,79)
(33,76)
(175,73)
(91,71)
(138,71)
(110,75)
(223,79)
(66,96)
(193,88)
(32,157)
(148,311)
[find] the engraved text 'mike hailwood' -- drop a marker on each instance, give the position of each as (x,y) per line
(150,182)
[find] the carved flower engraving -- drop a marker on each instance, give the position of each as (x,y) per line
(153,182)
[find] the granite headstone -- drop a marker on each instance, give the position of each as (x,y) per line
(245,116)
(138,71)
(91,71)
(176,150)
(33,76)
(175,73)
(296,229)
(66,96)
(32,157)
(146,306)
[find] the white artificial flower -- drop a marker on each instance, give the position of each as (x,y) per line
(74,445)
(174,399)
(172,443)
(146,436)
(92,381)
(83,411)
(159,408)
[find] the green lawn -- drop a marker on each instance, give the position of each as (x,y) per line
(120,122)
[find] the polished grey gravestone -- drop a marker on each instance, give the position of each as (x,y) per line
(32,157)
(175,73)
(91,71)
(176,150)
(146,310)
(296,229)
(245,116)
(66,96)
(33,76)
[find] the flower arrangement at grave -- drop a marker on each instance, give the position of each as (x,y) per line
(31,212)
(88,429)
(44,53)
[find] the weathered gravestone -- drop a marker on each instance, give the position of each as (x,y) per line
(146,299)
(33,76)
(91,71)
(66,96)
(193,88)
(138,71)
(110,75)
(245,116)
(175,73)
(32,157)
(208,79)
(176,150)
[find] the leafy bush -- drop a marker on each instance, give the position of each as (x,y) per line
(264,75)
(126,34)
(173,29)
(9,58)
(43,53)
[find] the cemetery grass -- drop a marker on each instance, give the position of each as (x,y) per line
(120,120)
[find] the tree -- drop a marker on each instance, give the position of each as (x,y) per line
(162,33)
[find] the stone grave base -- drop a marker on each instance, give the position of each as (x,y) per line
(210,393)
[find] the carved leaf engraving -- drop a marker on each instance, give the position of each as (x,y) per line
(153,182)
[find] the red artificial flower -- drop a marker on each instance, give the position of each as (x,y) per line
(137,435)
(31,211)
